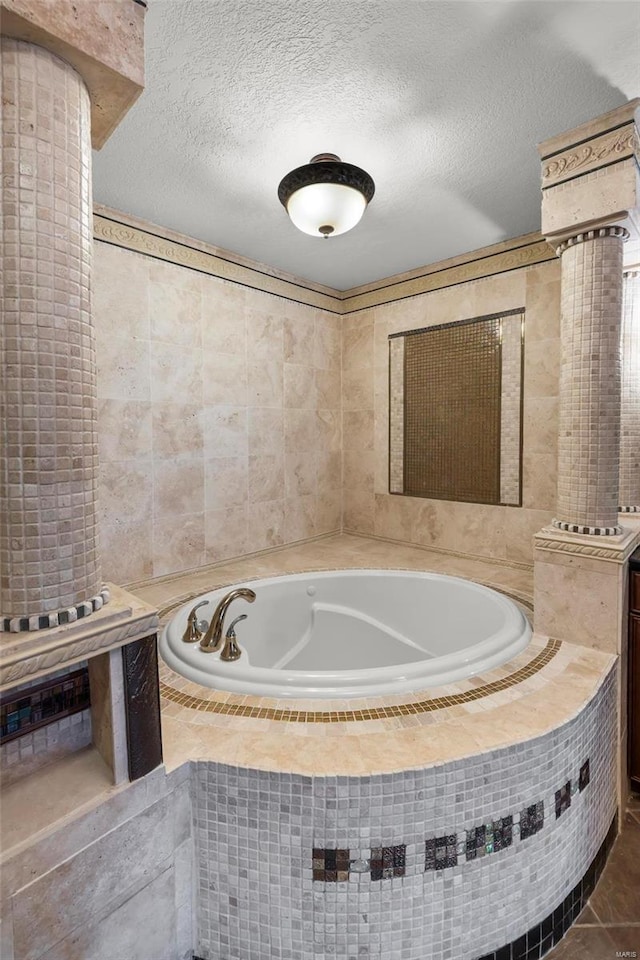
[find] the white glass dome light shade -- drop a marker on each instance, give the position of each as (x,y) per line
(326,197)
(326,205)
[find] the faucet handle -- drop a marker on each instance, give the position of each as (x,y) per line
(231,650)
(195,628)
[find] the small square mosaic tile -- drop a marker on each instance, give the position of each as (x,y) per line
(331,866)
(531,820)
(585,776)
(441,852)
(388,862)
(563,799)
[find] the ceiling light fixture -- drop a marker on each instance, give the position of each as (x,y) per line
(326,197)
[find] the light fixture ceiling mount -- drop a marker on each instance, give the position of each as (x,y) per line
(326,197)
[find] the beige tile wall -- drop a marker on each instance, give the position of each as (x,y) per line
(476,529)
(219,417)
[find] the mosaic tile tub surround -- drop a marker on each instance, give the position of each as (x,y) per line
(451,862)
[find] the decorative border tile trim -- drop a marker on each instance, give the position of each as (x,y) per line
(441,853)
(588,531)
(373,713)
(610,147)
(111,226)
(628,509)
(214,263)
(531,253)
(48,620)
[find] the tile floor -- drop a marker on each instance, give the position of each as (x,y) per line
(609,926)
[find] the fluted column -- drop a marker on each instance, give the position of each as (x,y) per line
(48,546)
(629,493)
(589,421)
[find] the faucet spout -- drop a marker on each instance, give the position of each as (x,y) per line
(212,640)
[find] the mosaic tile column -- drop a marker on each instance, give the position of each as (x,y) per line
(629,494)
(48,550)
(589,435)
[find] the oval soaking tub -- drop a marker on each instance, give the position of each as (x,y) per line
(352,633)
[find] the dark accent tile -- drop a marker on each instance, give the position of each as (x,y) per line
(391,862)
(504,953)
(563,799)
(63,616)
(43,622)
(519,948)
(585,775)
(534,936)
(444,852)
(502,833)
(24,623)
(142,706)
(330,865)
(531,820)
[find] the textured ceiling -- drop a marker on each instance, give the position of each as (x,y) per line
(441,102)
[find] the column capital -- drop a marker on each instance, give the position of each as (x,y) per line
(616,231)
(103,42)
(589,176)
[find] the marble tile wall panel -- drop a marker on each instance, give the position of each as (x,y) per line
(475,529)
(142,927)
(100,873)
(219,417)
(256,833)
(116,882)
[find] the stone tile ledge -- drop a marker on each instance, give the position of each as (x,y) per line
(26,656)
(540,702)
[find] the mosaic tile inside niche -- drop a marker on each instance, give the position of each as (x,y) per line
(440,853)
(391,711)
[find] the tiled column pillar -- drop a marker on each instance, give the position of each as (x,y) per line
(48,549)
(629,493)
(589,430)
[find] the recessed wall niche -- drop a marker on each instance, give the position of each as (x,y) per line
(455,410)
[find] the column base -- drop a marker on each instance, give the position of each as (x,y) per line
(586,531)
(580,585)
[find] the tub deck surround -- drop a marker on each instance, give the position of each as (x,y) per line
(509,705)
(553,681)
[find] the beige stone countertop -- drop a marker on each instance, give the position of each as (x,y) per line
(541,689)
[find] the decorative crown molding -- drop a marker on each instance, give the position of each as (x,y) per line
(601,151)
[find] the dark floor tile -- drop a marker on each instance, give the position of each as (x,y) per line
(624,939)
(587,918)
(616,898)
(583,943)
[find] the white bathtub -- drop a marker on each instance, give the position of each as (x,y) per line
(353,633)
